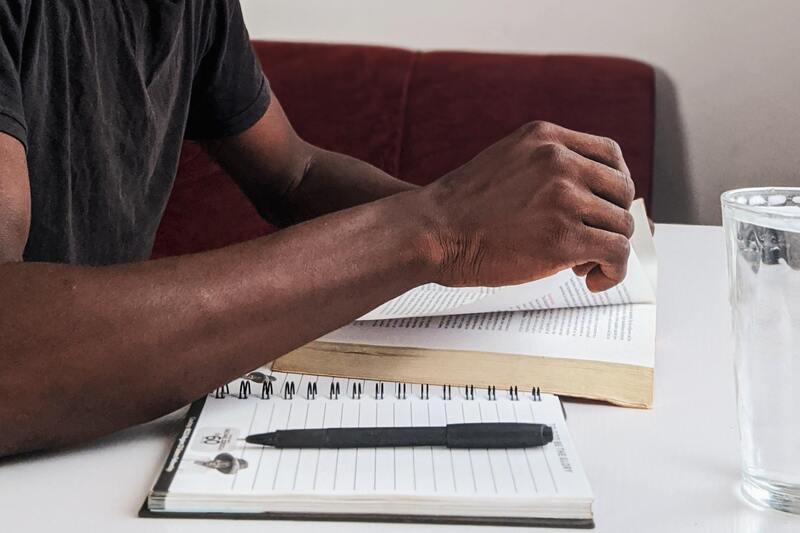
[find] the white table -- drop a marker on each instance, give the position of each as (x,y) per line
(670,469)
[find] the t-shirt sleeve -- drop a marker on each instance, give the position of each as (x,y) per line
(12,116)
(230,92)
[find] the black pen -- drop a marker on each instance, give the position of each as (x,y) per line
(479,435)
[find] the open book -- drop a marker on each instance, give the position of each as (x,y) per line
(551,333)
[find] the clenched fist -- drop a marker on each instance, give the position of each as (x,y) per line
(539,201)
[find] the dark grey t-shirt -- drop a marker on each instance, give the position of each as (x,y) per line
(102,94)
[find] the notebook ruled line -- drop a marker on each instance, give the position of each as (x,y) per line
(527,459)
(375,462)
(394,450)
(544,455)
(413,458)
(261,453)
(355,470)
(433,465)
(280,451)
(452,459)
(241,456)
(338,451)
(508,456)
(319,452)
(488,455)
(300,455)
(469,454)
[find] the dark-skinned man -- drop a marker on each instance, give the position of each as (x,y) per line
(96,97)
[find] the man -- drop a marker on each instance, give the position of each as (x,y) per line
(96,97)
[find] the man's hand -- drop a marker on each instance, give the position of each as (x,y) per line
(542,200)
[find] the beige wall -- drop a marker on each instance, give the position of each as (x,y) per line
(728,71)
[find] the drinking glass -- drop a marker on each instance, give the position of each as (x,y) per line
(762,231)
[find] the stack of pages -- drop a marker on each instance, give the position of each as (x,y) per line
(552,333)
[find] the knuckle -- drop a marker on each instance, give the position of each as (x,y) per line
(628,225)
(551,153)
(613,147)
(562,190)
(619,247)
(630,190)
(538,129)
(620,185)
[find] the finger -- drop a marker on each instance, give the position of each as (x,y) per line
(610,251)
(601,214)
(598,281)
(600,149)
(606,182)
(582,270)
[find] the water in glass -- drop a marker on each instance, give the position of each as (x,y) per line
(762,228)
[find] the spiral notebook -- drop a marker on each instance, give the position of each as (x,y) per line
(210,472)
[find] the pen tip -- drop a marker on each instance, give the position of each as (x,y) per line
(264,439)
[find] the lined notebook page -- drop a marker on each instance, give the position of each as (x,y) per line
(550,471)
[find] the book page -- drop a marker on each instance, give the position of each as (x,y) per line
(220,472)
(562,290)
(615,334)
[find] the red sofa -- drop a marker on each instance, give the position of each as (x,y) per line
(416,115)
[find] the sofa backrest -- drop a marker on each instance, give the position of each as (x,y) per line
(415,115)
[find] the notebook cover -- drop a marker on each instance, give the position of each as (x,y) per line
(176,455)
(577,523)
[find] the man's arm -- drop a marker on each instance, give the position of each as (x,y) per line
(15,200)
(118,345)
(289,180)
(114,346)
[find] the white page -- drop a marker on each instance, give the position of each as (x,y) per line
(563,289)
(613,334)
(549,472)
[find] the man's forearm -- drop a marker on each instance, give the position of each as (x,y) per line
(335,181)
(289,180)
(147,338)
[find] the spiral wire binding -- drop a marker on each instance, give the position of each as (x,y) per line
(356,394)
(221,392)
(290,389)
(424,392)
(335,391)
